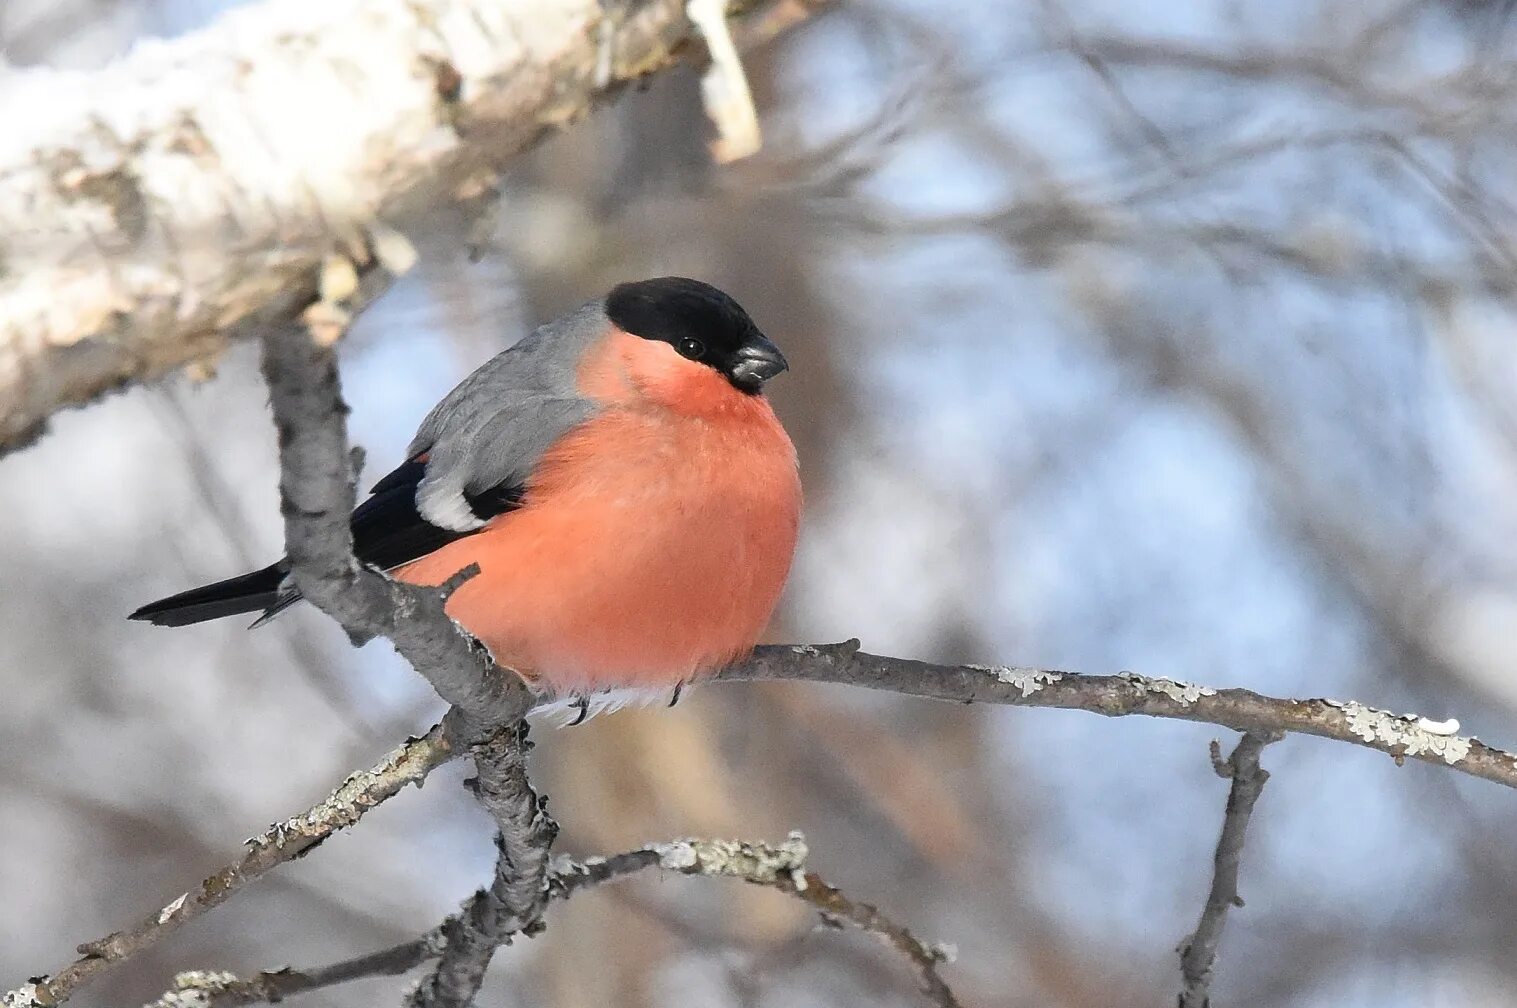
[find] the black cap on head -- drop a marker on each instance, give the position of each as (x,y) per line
(701,323)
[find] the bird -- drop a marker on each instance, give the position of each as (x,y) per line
(622,482)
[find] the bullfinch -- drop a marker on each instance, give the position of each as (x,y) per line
(628,493)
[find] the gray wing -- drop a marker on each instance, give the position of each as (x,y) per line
(490,431)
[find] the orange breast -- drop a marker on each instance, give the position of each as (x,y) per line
(652,547)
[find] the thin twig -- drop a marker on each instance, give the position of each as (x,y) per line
(284,841)
(1401,736)
(837,908)
(1198,954)
(778,866)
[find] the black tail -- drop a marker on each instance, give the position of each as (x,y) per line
(388,532)
(247,593)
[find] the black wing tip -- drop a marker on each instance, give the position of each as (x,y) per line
(246,593)
(159,614)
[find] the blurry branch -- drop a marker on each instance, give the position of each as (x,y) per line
(1400,736)
(1147,129)
(1471,364)
(185,195)
(281,842)
(1472,100)
(1325,69)
(1398,111)
(905,788)
(1039,227)
(780,867)
(1199,953)
(1390,575)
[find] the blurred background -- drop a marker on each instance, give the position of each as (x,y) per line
(1172,337)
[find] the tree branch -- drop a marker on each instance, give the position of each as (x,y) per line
(281,842)
(317,497)
(780,867)
(1402,736)
(317,494)
(296,128)
(1199,952)
(518,895)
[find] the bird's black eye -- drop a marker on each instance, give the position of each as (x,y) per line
(692,348)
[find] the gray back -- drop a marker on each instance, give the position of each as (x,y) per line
(493,428)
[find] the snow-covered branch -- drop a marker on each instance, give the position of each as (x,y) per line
(186,195)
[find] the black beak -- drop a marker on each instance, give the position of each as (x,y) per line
(756,362)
